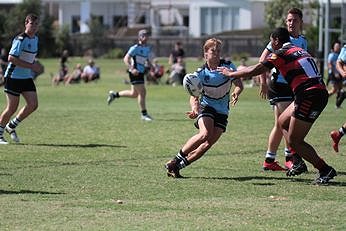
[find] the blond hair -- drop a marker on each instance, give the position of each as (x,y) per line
(213,42)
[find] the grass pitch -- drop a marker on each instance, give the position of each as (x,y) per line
(83,165)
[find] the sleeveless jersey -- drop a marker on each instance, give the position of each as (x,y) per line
(301,42)
(24,48)
(140,55)
(216,87)
(297,66)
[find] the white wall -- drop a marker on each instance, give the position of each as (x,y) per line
(242,22)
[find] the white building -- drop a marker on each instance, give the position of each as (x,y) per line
(172,17)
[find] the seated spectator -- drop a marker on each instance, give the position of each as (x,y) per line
(178,72)
(63,69)
(155,73)
(75,76)
(90,72)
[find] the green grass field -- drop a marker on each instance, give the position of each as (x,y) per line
(78,157)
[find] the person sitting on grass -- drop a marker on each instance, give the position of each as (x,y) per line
(90,72)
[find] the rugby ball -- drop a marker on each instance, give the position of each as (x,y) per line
(192,84)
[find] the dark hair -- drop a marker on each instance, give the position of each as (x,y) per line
(282,34)
(295,11)
(31,17)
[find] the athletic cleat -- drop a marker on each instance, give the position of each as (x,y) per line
(111,97)
(12,133)
(146,118)
(288,164)
(325,176)
(172,169)
(272,166)
(3,141)
(298,168)
(336,136)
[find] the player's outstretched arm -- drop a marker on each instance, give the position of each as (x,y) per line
(253,70)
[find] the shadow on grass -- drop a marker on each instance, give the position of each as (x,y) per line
(80,145)
(249,178)
(27,192)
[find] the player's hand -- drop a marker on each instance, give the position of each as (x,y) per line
(134,71)
(224,70)
(37,67)
(263,91)
(191,114)
(235,98)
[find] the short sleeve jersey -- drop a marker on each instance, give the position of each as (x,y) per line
(24,48)
(300,41)
(342,55)
(216,87)
(140,55)
(297,66)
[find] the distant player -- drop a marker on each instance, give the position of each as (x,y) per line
(341,67)
(19,78)
(137,59)
(310,97)
(211,108)
(334,76)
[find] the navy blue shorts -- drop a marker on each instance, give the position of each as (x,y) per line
(279,92)
(136,79)
(220,120)
(17,86)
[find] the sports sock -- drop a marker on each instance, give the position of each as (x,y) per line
(181,160)
(288,154)
(342,131)
(116,95)
(144,112)
(14,123)
(270,157)
(1,131)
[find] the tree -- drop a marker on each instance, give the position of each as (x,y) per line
(276,12)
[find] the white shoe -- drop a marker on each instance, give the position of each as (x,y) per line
(111,97)
(146,118)
(3,141)
(12,133)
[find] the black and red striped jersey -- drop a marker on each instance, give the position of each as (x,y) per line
(297,66)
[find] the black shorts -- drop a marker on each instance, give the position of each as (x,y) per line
(279,92)
(17,86)
(136,79)
(220,120)
(333,79)
(309,104)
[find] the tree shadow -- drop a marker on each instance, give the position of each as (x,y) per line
(27,192)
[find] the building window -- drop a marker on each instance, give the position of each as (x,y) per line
(215,20)
(75,24)
(119,21)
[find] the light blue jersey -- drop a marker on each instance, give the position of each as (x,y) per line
(300,41)
(332,58)
(216,87)
(140,55)
(342,55)
(24,48)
